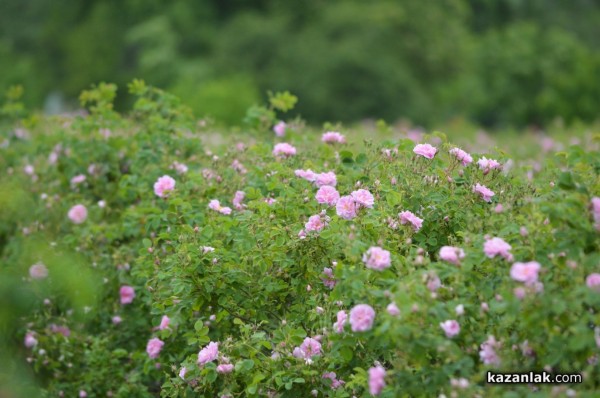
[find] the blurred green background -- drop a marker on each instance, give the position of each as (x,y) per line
(495,62)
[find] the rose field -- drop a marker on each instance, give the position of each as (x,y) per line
(151,253)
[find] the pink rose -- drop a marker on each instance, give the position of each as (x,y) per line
(450,327)
(333,137)
(284,150)
(327,195)
(485,193)
(308,349)
(497,247)
(127,294)
(315,223)
(78,179)
(225,368)
(216,206)
(376,258)
(163,186)
(208,353)
(593,281)
(164,323)
(407,217)
(525,272)
(346,207)
(78,214)
(451,254)
(425,150)
(461,156)
(393,309)
(488,164)
(363,198)
(376,380)
(362,317)
(328,178)
(38,271)
(238,198)
(342,319)
(30,340)
(279,129)
(154,347)
(308,175)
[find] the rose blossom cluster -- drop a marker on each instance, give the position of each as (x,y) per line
(284,150)
(348,206)
(163,186)
(216,206)
(329,280)
(461,156)
(483,191)
(497,247)
(408,217)
(333,137)
(487,165)
(426,150)
(376,380)
(319,179)
(488,353)
(376,258)
(451,254)
(335,382)
(309,348)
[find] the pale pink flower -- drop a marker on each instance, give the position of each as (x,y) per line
(462,156)
(208,353)
(362,317)
(38,271)
(238,166)
(116,320)
(363,198)
(425,150)
(450,327)
(64,330)
(284,150)
(127,294)
(525,272)
(308,349)
(182,373)
(376,379)
(377,258)
(237,200)
(593,281)
(308,175)
(520,292)
(407,217)
(279,129)
(216,206)
(180,168)
(30,340)
(335,383)
(154,347)
(225,368)
(78,214)
(164,323)
(315,223)
(433,283)
(393,309)
(333,137)
(595,206)
(486,164)
(346,207)
(163,186)
(270,201)
(342,319)
(499,208)
(327,195)
(82,394)
(329,280)
(485,193)
(460,310)
(488,353)
(451,254)
(497,247)
(29,170)
(78,179)
(328,178)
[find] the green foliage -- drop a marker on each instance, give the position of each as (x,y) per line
(501,62)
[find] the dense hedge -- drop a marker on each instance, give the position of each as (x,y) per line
(142,262)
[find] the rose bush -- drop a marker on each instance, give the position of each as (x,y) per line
(179,268)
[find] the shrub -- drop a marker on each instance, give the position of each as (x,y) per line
(230,279)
